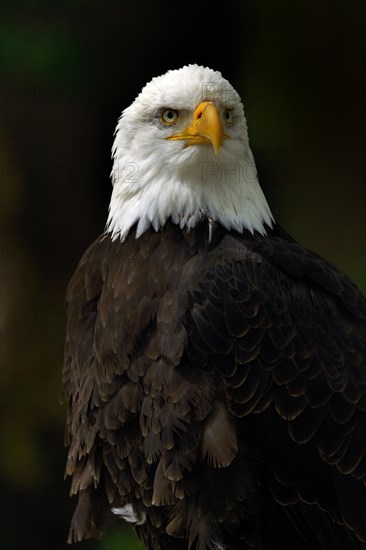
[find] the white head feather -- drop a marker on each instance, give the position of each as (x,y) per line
(155,179)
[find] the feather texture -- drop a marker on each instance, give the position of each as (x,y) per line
(216,384)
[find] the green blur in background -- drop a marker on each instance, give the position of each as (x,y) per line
(67,70)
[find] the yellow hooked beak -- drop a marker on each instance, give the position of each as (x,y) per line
(206,127)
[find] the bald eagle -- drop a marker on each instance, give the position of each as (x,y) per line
(214,368)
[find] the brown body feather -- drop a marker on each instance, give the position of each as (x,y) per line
(219,386)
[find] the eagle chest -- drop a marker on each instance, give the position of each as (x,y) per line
(157,411)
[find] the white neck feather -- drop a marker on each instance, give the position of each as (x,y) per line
(222,188)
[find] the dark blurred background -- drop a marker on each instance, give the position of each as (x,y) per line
(67,70)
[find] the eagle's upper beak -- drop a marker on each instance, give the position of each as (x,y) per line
(206,127)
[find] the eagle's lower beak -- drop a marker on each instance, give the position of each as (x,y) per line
(206,127)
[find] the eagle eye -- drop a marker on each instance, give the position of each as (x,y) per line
(228,116)
(169,116)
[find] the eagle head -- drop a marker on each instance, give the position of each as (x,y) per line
(181,152)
